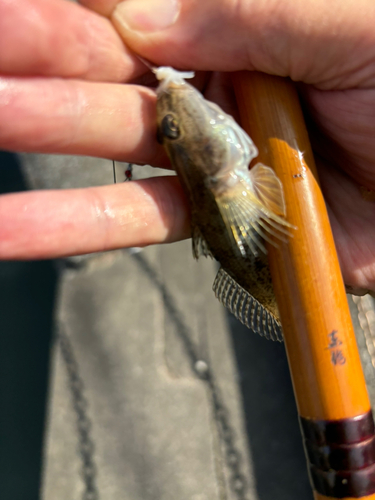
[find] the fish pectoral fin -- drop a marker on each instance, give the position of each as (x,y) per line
(200,246)
(268,188)
(245,307)
(254,208)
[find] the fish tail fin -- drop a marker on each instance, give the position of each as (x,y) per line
(254,209)
(246,308)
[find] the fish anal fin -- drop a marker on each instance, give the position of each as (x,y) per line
(200,246)
(245,307)
(268,188)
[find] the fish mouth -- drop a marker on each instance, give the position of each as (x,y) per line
(169,76)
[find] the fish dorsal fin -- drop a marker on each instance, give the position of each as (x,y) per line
(245,307)
(253,208)
(268,188)
(200,246)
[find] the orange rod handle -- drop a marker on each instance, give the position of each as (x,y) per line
(323,357)
(317,496)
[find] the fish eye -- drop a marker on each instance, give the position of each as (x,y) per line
(169,127)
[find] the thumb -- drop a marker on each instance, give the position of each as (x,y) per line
(314,41)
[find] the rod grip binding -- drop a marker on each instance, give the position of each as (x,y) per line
(341,455)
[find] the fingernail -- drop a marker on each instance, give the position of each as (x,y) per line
(147,15)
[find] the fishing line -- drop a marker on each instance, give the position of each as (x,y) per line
(114,172)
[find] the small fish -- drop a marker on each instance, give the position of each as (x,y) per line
(233,209)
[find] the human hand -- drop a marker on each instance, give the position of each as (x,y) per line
(60,71)
(329,47)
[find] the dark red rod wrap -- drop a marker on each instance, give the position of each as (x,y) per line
(341,455)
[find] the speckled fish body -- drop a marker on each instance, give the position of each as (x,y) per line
(232,209)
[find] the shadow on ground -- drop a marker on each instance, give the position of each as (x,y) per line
(27,291)
(270,412)
(271,416)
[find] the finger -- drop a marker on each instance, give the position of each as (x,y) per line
(219,89)
(351,213)
(60,38)
(49,224)
(77,117)
(330,44)
(347,119)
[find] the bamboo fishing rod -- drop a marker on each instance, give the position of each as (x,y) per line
(330,390)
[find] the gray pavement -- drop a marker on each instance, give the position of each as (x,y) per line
(154,391)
